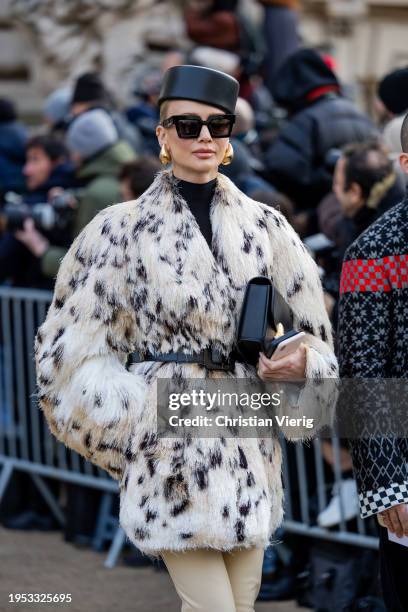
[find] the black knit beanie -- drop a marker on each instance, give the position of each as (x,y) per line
(88,88)
(393,91)
(7,111)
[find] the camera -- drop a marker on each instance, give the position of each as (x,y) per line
(55,214)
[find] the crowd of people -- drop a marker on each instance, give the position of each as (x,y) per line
(289,147)
(300,144)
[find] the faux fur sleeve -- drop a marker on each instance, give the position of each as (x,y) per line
(89,399)
(296,277)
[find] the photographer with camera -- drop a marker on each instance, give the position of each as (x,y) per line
(98,155)
(31,221)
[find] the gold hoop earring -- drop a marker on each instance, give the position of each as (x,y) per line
(164,156)
(229,155)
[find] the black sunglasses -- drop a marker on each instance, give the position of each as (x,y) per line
(189,126)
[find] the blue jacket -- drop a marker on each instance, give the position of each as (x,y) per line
(13,137)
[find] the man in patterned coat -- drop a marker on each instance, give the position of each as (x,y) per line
(373,342)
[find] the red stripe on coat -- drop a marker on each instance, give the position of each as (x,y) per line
(371,275)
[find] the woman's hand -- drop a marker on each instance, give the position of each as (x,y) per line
(291,367)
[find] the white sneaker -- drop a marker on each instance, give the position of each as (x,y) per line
(332,514)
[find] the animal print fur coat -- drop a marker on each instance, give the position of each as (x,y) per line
(140,276)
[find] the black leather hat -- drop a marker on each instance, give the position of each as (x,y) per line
(200,84)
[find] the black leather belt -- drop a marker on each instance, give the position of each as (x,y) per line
(209,358)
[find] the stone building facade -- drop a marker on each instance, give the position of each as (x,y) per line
(368,38)
(46,43)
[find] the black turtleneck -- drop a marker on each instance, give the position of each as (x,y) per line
(198,197)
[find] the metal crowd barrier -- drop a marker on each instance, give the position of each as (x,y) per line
(307,462)
(26,443)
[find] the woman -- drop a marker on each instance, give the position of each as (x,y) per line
(143,277)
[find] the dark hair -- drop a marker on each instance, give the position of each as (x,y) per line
(367,164)
(52,146)
(404,135)
(140,173)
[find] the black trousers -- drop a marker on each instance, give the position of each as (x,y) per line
(394,573)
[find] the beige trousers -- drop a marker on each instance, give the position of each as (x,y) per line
(209,580)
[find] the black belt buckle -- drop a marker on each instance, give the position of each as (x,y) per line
(134,357)
(213,360)
(130,360)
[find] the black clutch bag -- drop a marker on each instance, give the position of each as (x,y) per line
(263,307)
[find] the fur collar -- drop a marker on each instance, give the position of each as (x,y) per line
(238,228)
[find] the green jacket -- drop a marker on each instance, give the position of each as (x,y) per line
(102,189)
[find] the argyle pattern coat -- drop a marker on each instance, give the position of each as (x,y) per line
(141,276)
